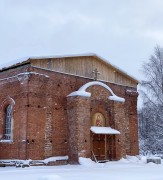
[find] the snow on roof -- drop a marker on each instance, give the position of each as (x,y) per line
(6,65)
(89,55)
(21,60)
(12,63)
(63,56)
(103,130)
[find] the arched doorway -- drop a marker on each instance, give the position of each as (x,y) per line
(102,139)
(98,140)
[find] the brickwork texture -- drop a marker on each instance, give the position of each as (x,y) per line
(46,123)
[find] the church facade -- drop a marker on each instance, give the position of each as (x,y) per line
(75,106)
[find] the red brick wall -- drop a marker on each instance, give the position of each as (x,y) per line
(131,111)
(44,115)
(38,113)
(14,88)
(79,127)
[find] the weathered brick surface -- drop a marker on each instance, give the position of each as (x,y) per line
(48,123)
(122,125)
(79,127)
(14,89)
(131,108)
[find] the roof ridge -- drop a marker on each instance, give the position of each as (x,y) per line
(19,61)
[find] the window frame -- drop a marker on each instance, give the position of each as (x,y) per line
(3,107)
(8,123)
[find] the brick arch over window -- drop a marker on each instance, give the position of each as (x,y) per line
(6,114)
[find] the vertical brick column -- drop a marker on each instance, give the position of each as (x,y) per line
(122,126)
(78,109)
(48,129)
(21,110)
(37,116)
(131,106)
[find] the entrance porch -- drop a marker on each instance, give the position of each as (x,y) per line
(89,116)
(103,143)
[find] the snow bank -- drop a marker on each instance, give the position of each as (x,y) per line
(19,162)
(143,159)
(113,171)
(86,162)
(50,177)
(26,162)
(133,159)
(57,158)
(123,160)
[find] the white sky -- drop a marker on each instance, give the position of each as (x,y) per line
(123,32)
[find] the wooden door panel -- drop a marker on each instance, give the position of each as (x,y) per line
(99,146)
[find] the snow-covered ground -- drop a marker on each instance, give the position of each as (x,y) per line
(130,169)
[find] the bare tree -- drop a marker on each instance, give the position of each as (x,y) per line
(152,92)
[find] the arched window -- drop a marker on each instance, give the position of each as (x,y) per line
(8,121)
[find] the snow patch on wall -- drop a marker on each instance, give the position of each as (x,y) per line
(116,98)
(26,74)
(131,91)
(6,141)
(82,91)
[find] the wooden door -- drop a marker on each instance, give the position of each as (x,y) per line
(111,147)
(98,146)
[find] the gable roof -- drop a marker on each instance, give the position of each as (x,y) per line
(27,60)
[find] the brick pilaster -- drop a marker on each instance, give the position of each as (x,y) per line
(78,109)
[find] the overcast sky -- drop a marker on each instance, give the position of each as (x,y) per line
(123,32)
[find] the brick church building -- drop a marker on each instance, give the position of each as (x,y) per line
(75,106)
